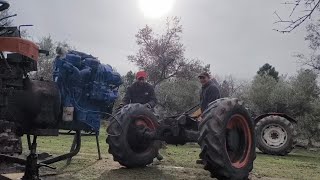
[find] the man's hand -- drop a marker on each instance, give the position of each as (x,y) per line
(147,105)
(120,106)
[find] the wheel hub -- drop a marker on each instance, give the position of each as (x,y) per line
(233,140)
(274,135)
(136,139)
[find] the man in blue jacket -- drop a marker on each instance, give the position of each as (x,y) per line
(209,91)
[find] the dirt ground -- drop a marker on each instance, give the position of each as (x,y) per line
(179,163)
(104,169)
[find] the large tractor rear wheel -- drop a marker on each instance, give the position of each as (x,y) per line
(275,135)
(125,144)
(227,140)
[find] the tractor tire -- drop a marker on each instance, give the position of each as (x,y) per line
(126,147)
(275,135)
(227,140)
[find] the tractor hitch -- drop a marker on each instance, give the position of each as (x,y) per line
(176,131)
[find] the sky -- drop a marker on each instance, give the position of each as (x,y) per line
(236,37)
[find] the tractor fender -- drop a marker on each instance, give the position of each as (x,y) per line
(292,120)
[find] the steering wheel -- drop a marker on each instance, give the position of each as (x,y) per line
(4,5)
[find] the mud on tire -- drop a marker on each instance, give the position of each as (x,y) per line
(127,148)
(227,140)
(275,135)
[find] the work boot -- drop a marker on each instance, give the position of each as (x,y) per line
(159,157)
(199,161)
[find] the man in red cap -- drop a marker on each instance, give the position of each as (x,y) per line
(143,93)
(140,92)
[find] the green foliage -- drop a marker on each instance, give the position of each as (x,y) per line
(305,91)
(309,124)
(305,104)
(267,69)
(224,89)
(128,79)
(281,96)
(178,95)
(259,93)
(122,91)
(293,96)
(297,96)
(232,87)
(206,68)
(45,63)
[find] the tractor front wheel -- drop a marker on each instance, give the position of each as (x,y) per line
(227,140)
(126,144)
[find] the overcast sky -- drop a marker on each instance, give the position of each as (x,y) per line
(234,37)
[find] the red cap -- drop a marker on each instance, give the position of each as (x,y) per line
(141,74)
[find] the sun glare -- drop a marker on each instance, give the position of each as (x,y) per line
(155,8)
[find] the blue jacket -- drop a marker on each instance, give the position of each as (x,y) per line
(209,93)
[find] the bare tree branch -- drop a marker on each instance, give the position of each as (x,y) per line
(295,7)
(277,15)
(310,5)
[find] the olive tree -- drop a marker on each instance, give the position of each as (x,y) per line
(162,55)
(259,93)
(305,91)
(309,124)
(45,63)
(177,95)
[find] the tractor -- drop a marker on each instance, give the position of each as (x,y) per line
(81,91)
(76,100)
(224,131)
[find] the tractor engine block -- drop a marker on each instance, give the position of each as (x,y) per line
(88,89)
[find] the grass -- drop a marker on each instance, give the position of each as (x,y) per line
(179,163)
(300,164)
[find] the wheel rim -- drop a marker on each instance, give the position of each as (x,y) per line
(239,141)
(139,144)
(274,135)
